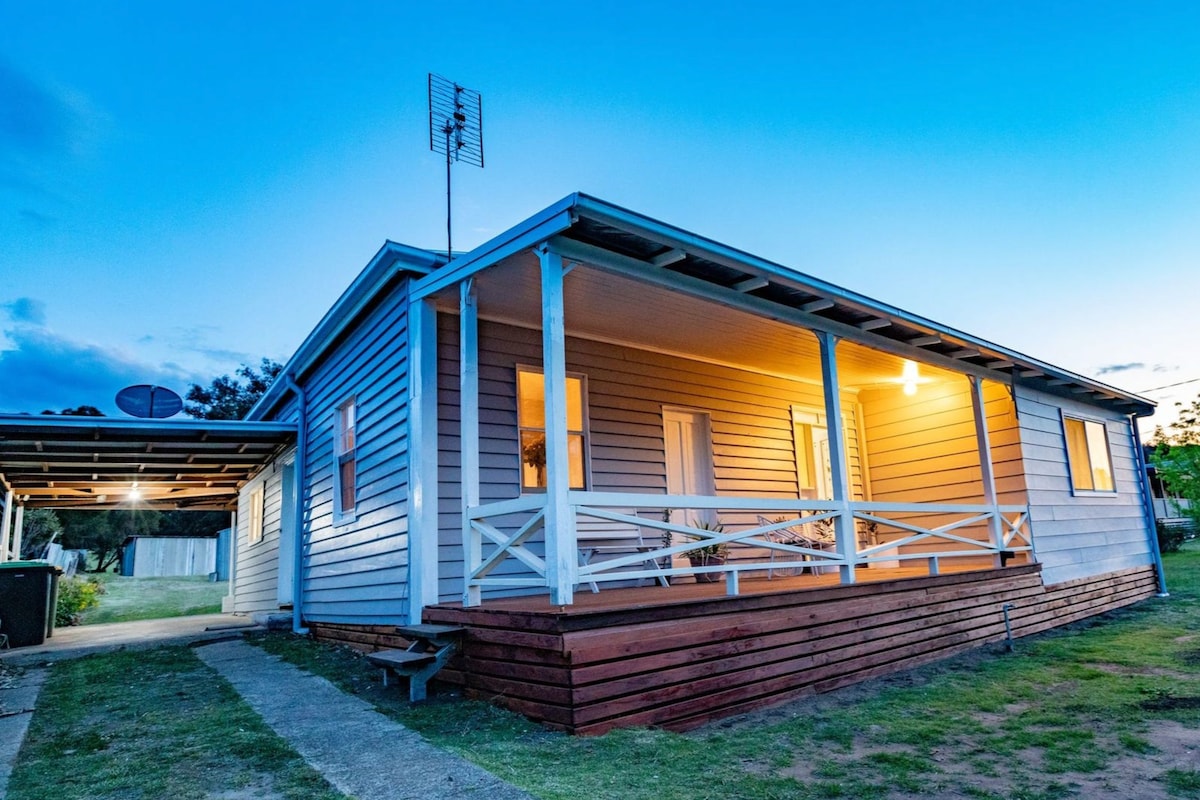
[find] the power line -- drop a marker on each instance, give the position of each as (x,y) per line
(1170,386)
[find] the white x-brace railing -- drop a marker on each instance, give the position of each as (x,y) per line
(491,543)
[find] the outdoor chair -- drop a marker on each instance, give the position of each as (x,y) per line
(595,536)
(801,535)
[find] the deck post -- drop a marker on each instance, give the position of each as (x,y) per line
(979,409)
(844,527)
(562,563)
(468,384)
(6,525)
(422,458)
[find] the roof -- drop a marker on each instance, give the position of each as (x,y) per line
(589,230)
(95,462)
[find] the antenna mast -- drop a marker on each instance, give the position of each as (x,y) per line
(456,129)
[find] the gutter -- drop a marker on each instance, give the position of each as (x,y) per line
(1148,506)
(301,468)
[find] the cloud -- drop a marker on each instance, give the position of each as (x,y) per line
(47,371)
(36,217)
(1165,368)
(1111,369)
(26,310)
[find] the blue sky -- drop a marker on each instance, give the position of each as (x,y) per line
(188,186)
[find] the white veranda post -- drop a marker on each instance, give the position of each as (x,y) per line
(468,382)
(423,459)
(844,526)
(979,409)
(562,565)
(6,525)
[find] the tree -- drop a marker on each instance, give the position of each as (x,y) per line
(105,532)
(40,528)
(229,398)
(1177,459)
(78,411)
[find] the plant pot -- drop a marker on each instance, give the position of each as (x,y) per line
(707,561)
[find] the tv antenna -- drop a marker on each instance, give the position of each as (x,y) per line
(456,129)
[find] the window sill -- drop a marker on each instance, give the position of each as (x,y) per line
(1092,493)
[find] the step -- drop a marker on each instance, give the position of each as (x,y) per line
(425,631)
(396,659)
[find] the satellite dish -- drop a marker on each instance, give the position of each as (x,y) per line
(144,400)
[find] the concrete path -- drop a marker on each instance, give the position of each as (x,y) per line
(16,709)
(358,750)
(80,640)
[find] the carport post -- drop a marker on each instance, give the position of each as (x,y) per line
(18,531)
(6,525)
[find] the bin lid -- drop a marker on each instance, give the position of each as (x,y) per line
(28,565)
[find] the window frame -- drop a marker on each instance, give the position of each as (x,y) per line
(344,455)
(584,433)
(256,513)
(1085,420)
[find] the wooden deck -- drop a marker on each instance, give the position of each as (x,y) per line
(687,654)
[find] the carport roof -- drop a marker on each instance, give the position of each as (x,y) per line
(98,462)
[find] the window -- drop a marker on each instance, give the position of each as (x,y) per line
(344,444)
(1088,456)
(531,420)
(254,533)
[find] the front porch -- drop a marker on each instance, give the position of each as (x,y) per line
(684,655)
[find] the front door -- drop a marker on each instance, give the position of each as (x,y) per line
(688,440)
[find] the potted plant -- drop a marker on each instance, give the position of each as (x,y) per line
(708,555)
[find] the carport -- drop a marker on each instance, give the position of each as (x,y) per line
(101,462)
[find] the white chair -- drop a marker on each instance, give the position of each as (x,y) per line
(594,536)
(801,534)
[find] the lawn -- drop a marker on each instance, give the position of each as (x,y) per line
(127,599)
(1106,708)
(153,724)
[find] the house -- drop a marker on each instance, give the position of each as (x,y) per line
(469,431)
(530,440)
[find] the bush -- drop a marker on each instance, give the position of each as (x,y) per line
(1170,537)
(75,596)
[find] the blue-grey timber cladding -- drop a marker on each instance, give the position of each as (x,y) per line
(357,572)
(1079,536)
(257,565)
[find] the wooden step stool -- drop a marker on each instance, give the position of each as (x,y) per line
(431,647)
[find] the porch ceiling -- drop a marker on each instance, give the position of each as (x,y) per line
(95,462)
(614,308)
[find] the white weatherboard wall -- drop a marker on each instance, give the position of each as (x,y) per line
(356,572)
(1078,536)
(256,578)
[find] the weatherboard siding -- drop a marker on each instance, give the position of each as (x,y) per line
(1080,536)
(356,572)
(256,579)
(924,449)
(627,388)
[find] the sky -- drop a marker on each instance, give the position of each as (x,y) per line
(186,187)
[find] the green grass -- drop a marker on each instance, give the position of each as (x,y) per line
(153,724)
(1031,725)
(127,599)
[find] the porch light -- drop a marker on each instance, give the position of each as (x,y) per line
(135,493)
(909,376)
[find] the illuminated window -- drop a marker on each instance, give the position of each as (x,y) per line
(254,532)
(1088,456)
(531,419)
(346,464)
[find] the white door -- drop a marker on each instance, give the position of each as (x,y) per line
(287,535)
(688,439)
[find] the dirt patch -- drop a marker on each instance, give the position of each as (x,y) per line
(1156,672)
(1168,702)
(1190,657)
(260,789)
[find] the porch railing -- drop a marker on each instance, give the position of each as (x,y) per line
(503,550)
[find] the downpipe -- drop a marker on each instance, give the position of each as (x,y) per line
(300,469)
(1008,637)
